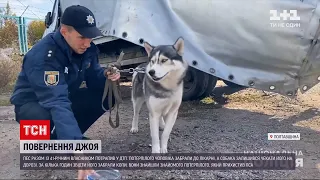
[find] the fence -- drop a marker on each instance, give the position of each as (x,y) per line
(22,25)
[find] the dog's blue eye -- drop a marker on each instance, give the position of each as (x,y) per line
(164,60)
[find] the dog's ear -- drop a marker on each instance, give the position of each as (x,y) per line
(148,48)
(179,46)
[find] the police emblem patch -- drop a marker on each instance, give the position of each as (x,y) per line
(51,78)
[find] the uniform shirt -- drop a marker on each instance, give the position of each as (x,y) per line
(50,72)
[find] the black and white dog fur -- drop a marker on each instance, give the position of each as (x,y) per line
(161,88)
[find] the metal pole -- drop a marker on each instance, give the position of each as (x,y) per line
(19,35)
(25,44)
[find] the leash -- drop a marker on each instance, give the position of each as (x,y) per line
(112,88)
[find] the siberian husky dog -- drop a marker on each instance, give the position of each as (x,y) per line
(161,88)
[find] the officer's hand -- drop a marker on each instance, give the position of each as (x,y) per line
(82,174)
(113,76)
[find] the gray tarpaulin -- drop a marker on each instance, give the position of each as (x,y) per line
(237,39)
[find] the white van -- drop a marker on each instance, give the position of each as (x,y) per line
(263,44)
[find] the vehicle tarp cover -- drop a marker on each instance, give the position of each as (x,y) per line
(264,44)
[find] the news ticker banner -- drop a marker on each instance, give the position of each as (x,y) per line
(38,152)
(170,161)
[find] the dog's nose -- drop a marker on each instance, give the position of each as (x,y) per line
(152,72)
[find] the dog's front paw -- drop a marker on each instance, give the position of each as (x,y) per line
(134,130)
(163,150)
(156,149)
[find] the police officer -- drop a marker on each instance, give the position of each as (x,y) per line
(61,78)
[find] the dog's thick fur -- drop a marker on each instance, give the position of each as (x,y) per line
(161,88)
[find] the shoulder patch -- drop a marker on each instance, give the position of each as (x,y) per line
(51,78)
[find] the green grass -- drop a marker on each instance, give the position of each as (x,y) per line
(5,102)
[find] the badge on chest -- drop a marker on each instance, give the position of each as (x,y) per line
(51,78)
(83,84)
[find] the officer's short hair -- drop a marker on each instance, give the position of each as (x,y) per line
(69,28)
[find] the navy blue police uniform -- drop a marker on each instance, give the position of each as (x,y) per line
(57,84)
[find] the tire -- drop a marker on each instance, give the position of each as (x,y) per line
(212,82)
(197,84)
(231,84)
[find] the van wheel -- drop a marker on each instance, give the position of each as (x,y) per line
(211,84)
(197,84)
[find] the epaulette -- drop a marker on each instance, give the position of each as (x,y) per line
(50,52)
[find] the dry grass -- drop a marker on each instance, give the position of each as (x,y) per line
(250,95)
(9,69)
(247,97)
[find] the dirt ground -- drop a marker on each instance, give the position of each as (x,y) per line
(239,124)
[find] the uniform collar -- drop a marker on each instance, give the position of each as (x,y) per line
(64,46)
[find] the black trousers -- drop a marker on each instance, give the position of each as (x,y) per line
(86,106)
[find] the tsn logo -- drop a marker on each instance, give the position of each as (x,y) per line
(35,130)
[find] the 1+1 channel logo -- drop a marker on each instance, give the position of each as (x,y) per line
(288,19)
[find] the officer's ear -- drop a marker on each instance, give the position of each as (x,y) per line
(65,29)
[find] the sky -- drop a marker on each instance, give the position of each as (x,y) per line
(36,8)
